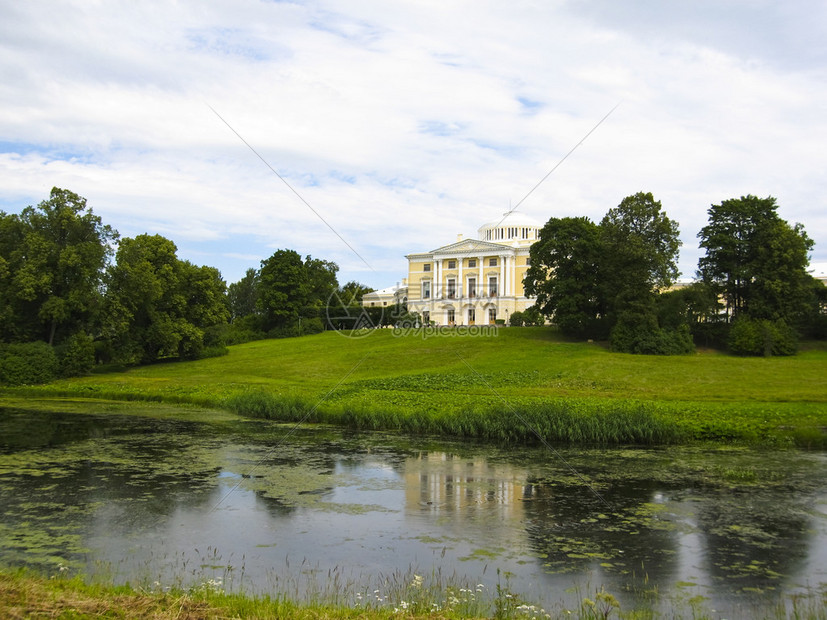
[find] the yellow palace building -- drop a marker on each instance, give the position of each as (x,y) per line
(474,281)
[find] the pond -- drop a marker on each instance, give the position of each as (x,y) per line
(270,508)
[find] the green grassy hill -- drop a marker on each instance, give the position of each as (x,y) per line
(450,382)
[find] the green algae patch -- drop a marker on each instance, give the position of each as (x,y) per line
(483,554)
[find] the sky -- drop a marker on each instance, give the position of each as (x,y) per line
(362,131)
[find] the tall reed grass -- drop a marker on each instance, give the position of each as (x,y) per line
(560,421)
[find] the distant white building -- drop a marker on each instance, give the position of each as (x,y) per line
(390,296)
(474,281)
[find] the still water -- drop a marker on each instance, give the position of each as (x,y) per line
(264,507)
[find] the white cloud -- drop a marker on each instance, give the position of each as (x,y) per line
(404,124)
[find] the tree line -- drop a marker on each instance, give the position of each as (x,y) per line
(73,293)
(615,280)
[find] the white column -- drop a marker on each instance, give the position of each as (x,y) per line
(481,286)
(503,286)
(435,286)
(460,283)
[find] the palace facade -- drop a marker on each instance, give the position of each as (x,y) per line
(474,281)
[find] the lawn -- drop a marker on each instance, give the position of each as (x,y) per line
(396,377)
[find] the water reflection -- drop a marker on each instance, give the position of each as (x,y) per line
(141,499)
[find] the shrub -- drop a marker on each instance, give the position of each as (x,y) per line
(532,317)
(26,363)
(713,334)
(76,356)
(218,350)
(639,333)
(191,345)
(312,325)
(289,331)
(517,319)
(239,335)
(762,337)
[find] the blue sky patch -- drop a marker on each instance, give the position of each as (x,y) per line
(530,105)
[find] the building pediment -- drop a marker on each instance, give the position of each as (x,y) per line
(472,247)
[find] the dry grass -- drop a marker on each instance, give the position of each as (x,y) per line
(25,596)
(28,597)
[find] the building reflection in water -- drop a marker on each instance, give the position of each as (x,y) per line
(440,481)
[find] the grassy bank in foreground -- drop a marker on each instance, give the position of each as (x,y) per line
(498,385)
(26,595)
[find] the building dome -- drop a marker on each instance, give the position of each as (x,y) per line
(511,227)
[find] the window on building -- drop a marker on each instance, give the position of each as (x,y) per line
(472,287)
(426,317)
(452,264)
(492,262)
(472,262)
(492,286)
(472,316)
(426,289)
(528,261)
(451,315)
(426,267)
(492,316)
(452,288)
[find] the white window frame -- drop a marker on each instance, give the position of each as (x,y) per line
(451,288)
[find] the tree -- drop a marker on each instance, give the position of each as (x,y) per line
(291,289)
(599,280)
(781,285)
(321,283)
(52,260)
(159,306)
(640,247)
(755,260)
(243,295)
(11,240)
(351,293)
(564,274)
(143,303)
(640,250)
(206,308)
(281,285)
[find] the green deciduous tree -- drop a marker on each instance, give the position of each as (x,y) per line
(281,289)
(52,259)
(564,274)
(158,306)
(242,295)
(755,260)
(757,263)
(292,290)
(351,293)
(589,278)
(640,250)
